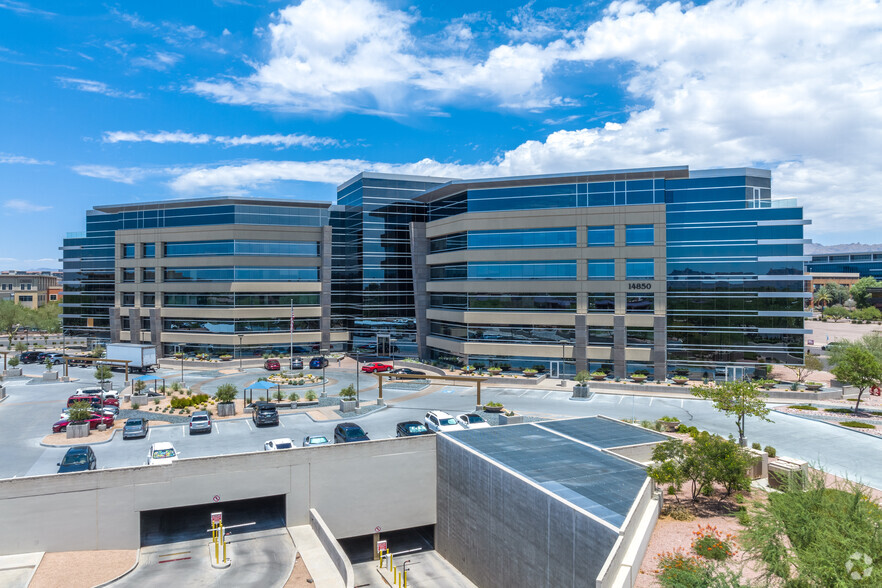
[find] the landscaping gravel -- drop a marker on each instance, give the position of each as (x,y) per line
(152,416)
(367,409)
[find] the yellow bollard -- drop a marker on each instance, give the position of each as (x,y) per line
(404,583)
(216,556)
(225,550)
(391,567)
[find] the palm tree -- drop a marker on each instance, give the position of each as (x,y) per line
(822,298)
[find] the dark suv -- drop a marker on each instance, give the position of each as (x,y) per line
(265,413)
(317,363)
(349,432)
(29,357)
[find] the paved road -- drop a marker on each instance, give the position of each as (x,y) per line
(25,418)
(259,559)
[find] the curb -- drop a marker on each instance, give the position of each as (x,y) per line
(34,571)
(831,423)
(112,435)
(125,573)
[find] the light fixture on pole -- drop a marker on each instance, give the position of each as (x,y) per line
(240,352)
(324,379)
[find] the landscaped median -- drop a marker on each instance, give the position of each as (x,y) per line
(867,421)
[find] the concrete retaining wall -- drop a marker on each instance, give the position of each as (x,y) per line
(354,485)
(335,551)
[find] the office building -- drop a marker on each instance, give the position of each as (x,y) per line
(654,270)
(863,263)
(28,289)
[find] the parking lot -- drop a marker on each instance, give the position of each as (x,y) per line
(27,415)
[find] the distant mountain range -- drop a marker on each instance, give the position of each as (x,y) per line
(818,249)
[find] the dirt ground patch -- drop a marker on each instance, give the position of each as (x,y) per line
(300,577)
(95,436)
(82,569)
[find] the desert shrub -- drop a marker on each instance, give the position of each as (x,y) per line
(805,407)
(310,395)
(677,569)
(743,517)
(756,445)
(226,392)
(682,429)
(135,406)
(770,450)
(348,392)
(857,425)
(709,542)
(294,397)
(839,410)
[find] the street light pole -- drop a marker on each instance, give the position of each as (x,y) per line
(324,379)
(563,357)
(357,387)
(240,352)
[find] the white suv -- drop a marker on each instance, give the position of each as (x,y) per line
(441,422)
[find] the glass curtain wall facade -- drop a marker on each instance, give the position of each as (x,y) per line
(735,273)
(865,263)
(371,280)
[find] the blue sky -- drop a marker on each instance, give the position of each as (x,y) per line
(124,102)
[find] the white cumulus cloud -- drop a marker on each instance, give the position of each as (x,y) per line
(95,87)
(161,137)
(17,205)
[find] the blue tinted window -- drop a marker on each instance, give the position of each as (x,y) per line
(601,236)
(639,235)
(639,197)
(601,199)
(277,248)
(148,250)
(128,250)
(640,303)
(600,336)
(241,274)
(639,269)
(602,302)
(515,270)
(128,275)
(601,269)
(522,238)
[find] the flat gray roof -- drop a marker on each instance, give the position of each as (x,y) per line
(565,458)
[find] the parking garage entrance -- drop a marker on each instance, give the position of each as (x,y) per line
(186,523)
(361,549)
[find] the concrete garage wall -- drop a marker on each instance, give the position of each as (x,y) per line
(502,531)
(355,487)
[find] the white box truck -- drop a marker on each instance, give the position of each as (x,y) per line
(142,358)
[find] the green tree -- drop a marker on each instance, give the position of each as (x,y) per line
(740,399)
(79,412)
(835,312)
(805,537)
(822,298)
(837,292)
(226,393)
(348,393)
(811,364)
(97,351)
(860,290)
(103,373)
(728,463)
(859,368)
(667,467)
(12,316)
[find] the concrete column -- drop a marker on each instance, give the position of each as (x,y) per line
(325,322)
(419,247)
(619,338)
(660,346)
(156,330)
(134,325)
(580,349)
(115,324)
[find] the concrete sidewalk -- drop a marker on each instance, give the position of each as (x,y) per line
(323,571)
(16,571)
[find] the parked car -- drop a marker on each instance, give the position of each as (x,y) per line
(276,444)
(55,358)
(313,440)
(441,422)
(162,453)
(296,363)
(97,391)
(41,356)
(471,420)
(272,364)
(411,429)
(29,357)
(135,428)
(79,458)
(265,413)
(348,433)
(200,422)
(94,420)
(105,410)
(408,372)
(317,363)
(95,400)
(375,367)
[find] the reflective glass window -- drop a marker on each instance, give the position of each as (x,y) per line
(522,238)
(601,269)
(128,299)
(128,274)
(639,269)
(640,303)
(639,235)
(515,270)
(148,250)
(148,274)
(148,299)
(241,274)
(242,247)
(605,302)
(600,336)
(601,236)
(128,251)
(640,337)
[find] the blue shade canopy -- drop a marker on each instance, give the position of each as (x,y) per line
(260,386)
(149,378)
